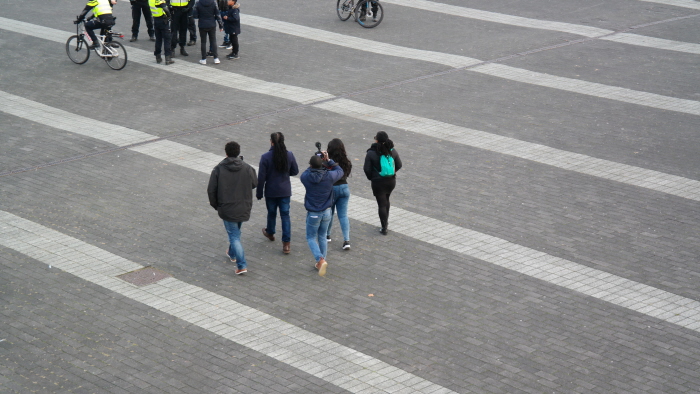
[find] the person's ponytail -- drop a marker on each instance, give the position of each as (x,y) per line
(279,152)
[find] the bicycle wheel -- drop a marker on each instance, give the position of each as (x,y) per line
(344,9)
(77,49)
(369,13)
(116,60)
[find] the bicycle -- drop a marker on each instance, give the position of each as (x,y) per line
(368,13)
(112,52)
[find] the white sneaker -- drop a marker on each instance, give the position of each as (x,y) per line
(217,61)
(229,46)
(203,61)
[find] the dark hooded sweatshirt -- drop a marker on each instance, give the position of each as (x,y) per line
(319,186)
(231,189)
(208,14)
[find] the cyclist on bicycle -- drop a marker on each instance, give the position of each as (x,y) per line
(101,18)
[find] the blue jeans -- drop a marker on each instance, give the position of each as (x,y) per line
(316,228)
(341,198)
(281,203)
(235,248)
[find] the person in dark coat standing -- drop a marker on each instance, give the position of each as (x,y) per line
(276,166)
(382,185)
(232,27)
(318,181)
(208,14)
(230,192)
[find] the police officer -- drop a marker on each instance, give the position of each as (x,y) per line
(178,25)
(161,19)
(139,7)
(102,17)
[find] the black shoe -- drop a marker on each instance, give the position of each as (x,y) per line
(192,42)
(210,54)
(169,60)
(383,231)
(183,52)
(346,245)
(159,59)
(224,45)
(133,38)
(232,56)
(152,37)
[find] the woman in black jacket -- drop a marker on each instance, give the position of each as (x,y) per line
(383,179)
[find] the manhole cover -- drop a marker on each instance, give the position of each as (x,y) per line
(144,276)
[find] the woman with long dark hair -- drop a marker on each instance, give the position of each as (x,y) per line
(276,166)
(341,190)
(381,164)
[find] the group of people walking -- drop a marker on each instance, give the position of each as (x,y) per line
(326,186)
(173,18)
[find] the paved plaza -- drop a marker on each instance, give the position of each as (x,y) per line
(544,232)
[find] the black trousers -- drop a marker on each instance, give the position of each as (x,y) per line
(191,27)
(162,31)
(203,33)
(136,10)
(233,38)
(382,188)
(178,26)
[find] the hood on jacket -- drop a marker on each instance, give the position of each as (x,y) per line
(232,164)
(316,175)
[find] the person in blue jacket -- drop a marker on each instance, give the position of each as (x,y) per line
(232,27)
(318,180)
(276,166)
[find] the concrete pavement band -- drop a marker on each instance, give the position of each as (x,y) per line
(586,31)
(629,294)
(497,70)
(666,183)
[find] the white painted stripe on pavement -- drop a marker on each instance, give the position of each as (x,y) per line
(488,16)
(305,96)
(337,364)
(590,88)
(631,175)
(678,3)
(587,31)
(653,42)
(580,278)
(361,44)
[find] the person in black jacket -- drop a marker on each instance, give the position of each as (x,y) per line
(232,26)
(382,186)
(208,14)
(230,192)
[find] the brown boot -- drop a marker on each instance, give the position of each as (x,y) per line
(321,266)
(271,237)
(286,247)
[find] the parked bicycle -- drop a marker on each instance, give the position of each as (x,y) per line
(368,13)
(112,52)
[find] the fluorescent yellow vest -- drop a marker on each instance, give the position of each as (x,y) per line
(101,7)
(156,11)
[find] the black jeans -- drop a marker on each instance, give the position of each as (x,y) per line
(382,188)
(191,27)
(162,31)
(233,38)
(203,33)
(136,10)
(178,26)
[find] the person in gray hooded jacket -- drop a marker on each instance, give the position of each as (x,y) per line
(230,192)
